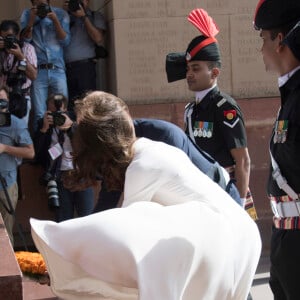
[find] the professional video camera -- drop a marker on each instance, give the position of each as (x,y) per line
(5,117)
(10,41)
(42,10)
(58,117)
(74,5)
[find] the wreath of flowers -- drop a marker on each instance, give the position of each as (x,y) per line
(31,262)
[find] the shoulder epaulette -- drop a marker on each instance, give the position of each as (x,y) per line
(221,102)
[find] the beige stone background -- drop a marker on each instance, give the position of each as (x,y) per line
(142,32)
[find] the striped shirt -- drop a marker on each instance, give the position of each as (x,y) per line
(10,64)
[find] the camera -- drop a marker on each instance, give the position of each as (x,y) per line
(18,101)
(5,119)
(16,80)
(53,195)
(74,5)
(10,41)
(45,178)
(3,104)
(42,10)
(48,180)
(58,118)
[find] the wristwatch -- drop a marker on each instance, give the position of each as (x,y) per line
(22,64)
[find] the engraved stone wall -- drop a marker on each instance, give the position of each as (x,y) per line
(143,32)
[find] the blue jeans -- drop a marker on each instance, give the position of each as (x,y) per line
(47,82)
(80,201)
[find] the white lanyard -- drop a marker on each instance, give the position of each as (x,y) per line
(188,118)
(276,174)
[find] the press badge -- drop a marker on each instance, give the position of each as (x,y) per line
(55,151)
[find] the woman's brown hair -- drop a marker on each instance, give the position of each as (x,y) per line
(102,142)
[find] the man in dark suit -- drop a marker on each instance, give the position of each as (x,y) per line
(163,131)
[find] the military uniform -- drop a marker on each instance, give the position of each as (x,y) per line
(216,125)
(285,148)
(214,122)
(284,177)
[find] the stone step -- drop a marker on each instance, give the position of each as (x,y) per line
(33,290)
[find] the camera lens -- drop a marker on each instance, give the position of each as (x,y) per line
(53,196)
(58,119)
(3,103)
(74,5)
(42,10)
(9,42)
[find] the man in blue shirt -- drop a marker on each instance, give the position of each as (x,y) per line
(47,28)
(15,144)
(87,30)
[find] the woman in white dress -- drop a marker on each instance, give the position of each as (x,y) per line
(177,236)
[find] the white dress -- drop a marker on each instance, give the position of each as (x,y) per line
(204,247)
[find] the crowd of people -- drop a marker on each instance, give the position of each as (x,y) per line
(41,59)
(175,218)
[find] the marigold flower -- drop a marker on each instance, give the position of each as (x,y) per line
(31,262)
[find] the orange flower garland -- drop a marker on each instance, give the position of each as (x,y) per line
(31,262)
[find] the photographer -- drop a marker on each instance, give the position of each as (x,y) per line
(47,28)
(87,30)
(15,142)
(53,151)
(18,68)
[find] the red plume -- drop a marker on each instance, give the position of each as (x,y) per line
(206,25)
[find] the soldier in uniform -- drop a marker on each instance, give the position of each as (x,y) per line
(213,120)
(279,25)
